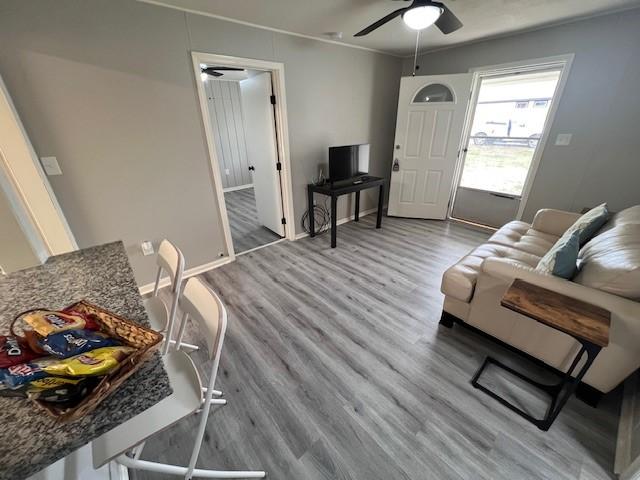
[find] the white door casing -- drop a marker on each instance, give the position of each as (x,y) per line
(261,149)
(428,135)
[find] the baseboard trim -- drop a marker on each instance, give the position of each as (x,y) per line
(239,187)
(350,218)
(190,272)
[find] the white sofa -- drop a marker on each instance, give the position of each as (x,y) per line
(609,276)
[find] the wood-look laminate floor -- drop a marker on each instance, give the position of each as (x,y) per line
(335,367)
(246,231)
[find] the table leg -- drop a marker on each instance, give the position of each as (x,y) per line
(357,213)
(334,219)
(559,392)
(311,210)
(380,202)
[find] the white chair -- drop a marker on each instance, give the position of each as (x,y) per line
(189,396)
(170,260)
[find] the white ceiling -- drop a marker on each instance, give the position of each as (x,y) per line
(481,18)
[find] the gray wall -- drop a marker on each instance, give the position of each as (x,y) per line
(600,107)
(107,87)
(225,108)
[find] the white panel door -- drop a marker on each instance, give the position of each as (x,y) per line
(260,135)
(431,111)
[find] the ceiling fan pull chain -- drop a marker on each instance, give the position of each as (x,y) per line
(415,55)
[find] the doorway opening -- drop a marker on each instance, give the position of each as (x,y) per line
(507,124)
(247,146)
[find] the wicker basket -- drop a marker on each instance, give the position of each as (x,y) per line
(144,340)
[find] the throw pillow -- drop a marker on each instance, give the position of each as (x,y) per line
(589,223)
(562,259)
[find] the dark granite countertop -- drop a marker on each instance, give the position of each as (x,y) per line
(30,439)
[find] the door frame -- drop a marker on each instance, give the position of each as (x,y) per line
(563,62)
(276,70)
(27,188)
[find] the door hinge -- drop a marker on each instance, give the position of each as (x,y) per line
(278,166)
(273,99)
(284,221)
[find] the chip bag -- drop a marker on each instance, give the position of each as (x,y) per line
(46,322)
(14,350)
(96,362)
(74,342)
(18,375)
(60,389)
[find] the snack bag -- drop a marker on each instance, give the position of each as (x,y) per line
(74,342)
(46,322)
(17,375)
(89,318)
(96,362)
(14,351)
(60,389)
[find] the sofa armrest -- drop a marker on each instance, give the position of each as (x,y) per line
(625,313)
(553,222)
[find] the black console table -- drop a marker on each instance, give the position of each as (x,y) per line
(334,190)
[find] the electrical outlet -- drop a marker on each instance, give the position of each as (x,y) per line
(226,171)
(51,166)
(563,139)
(147,248)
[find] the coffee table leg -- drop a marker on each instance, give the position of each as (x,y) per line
(357,212)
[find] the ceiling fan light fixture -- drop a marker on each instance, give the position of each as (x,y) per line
(204,76)
(419,18)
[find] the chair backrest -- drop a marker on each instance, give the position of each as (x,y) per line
(201,304)
(170,260)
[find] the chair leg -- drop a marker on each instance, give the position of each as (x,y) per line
(186,346)
(217,393)
(182,471)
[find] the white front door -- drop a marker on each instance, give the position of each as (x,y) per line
(431,112)
(262,153)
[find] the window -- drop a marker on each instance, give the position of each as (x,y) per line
(540,103)
(522,104)
(435,92)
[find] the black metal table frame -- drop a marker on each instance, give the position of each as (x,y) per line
(335,191)
(559,392)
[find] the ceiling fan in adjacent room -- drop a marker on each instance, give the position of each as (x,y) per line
(420,15)
(217,71)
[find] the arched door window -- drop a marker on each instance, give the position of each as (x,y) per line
(435,92)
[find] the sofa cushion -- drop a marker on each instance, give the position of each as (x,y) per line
(628,215)
(459,281)
(509,234)
(520,236)
(562,259)
(611,261)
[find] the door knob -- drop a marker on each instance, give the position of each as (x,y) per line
(252,168)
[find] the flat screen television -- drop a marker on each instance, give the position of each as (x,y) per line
(348,162)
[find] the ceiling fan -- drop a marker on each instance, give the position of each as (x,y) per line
(215,71)
(420,15)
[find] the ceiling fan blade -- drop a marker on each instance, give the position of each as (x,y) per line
(381,22)
(448,22)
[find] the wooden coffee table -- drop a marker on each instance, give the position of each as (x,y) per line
(586,323)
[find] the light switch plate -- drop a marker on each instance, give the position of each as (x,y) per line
(563,139)
(226,171)
(51,166)
(147,248)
